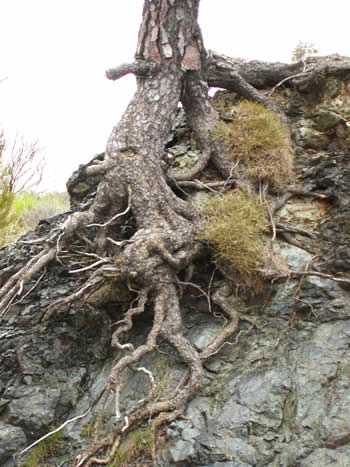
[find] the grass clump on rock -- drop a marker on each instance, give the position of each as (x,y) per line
(139,445)
(256,138)
(48,447)
(234,225)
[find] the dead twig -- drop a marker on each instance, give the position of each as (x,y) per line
(287,79)
(67,422)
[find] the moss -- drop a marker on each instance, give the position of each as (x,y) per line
(138,445)
(45,449)
(256,138)
(234,226)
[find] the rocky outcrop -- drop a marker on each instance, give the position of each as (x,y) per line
(276,394)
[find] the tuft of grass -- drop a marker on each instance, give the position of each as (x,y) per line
(256,138)
(48,447)
(138,444)
(234,225)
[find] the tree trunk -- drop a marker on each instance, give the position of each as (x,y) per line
(170,66)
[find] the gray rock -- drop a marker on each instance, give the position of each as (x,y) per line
(327,457)
(327,119)
(33,407)
(310,138)
(12,439)
(227,464)
(321,359)
(295,257)
(181,451)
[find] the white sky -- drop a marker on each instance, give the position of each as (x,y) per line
(55,52)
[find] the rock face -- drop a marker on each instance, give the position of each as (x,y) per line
(276,394)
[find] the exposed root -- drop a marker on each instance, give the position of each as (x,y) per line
(14,286)
(222,298)
(293,241)
(87,459)
(290,229)
(163,419)
(62,304)
(127,320)
(198,185)
(152,259)
(194,171)
(166,325)
(288,78)
(105,224)
(91,266)
(323,275)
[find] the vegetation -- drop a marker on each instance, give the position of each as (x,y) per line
(6,196)
(235,223)
(24,211)
(45,449)
(25,164)
(31,208)
(303,50)
(21,168)
(256,138)
(138,445)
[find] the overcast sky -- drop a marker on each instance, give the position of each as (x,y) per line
(54,54)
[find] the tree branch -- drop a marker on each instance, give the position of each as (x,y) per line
(138,68)
(223,71)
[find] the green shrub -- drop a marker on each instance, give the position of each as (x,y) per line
(42,207)
(234,225)
(24,201)
(6,200)
(257,139)
(6,197)
(26,210)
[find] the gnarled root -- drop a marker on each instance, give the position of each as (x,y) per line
(167,327)
(55,242)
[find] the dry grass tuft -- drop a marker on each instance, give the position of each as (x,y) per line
(234,225)
(257,139)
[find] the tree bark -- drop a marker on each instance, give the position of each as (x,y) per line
(223,71)
(170,67)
